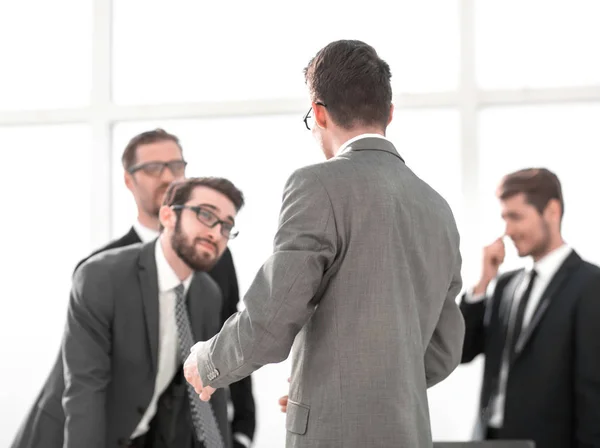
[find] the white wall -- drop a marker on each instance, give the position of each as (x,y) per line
(481,88)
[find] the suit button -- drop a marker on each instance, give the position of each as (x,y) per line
(141,410)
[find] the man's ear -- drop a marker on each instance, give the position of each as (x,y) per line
(391,114)
(129,180)
(167,217)
(321,115)
(553,210)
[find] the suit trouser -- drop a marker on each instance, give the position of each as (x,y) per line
(492,434)
(148,441)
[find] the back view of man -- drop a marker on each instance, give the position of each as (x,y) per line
(362,281)
(151,161)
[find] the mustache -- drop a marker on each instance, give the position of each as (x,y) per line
(204,240)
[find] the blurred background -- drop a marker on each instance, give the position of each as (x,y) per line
(481,88)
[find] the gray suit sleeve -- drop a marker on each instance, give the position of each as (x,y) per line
(281,298)
(86,357)
(443,354)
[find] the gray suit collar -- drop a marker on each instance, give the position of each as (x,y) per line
(373,144)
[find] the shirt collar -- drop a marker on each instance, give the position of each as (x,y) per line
(145,233)
(548,265)
(345,146)
(167,279)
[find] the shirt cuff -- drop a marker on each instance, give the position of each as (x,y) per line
(207,371)
(242,439)
(473,298)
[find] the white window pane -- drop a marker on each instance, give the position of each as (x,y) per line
(564,139)
(184,50)
(46,230)
(45,49)
(537,43)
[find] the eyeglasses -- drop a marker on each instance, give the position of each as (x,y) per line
(210,220)
(155,169)
(308,115)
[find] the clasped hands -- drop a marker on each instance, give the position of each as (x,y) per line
(190,370)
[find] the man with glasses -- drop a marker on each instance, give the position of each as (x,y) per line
(151,161)
(362,283)
(134,314)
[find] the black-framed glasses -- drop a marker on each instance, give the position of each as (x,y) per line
(308,115)
(209,219)
(155,169)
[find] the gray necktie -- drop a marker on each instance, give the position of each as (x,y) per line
(203,417)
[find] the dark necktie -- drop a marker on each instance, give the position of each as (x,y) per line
(205,423)
(518,322)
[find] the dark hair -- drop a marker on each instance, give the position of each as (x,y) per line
(129,156)
(539,185)
(179,192)
(353,82)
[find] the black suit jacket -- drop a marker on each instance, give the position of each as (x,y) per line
(553,386)
(47,408)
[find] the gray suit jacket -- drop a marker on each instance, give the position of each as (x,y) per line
(362,282)
(110,354)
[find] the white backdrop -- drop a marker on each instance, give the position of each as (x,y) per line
(481,88)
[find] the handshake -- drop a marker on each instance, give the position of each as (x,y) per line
(192,376)
(190,370)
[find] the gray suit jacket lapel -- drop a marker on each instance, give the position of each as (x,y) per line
(149,288)
(374,144)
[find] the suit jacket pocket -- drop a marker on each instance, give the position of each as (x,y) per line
(297,417)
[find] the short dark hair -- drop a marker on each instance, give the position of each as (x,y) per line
(129,156)
(350,78)
(179,192)
(539,185)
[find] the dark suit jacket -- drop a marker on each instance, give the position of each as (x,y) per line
(553,386)
(46,408)
(110,353)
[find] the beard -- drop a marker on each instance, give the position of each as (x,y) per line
(186,250)
(543,245)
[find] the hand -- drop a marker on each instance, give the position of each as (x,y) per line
(493,257)
(190,370)
(283,401)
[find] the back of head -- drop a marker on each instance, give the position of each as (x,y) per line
(350,78)
(538,185)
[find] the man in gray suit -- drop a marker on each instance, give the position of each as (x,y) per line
(133,315)
(362,282)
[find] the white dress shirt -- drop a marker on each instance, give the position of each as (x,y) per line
(146,234)
(168,345)
(342,149)
(546,268)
